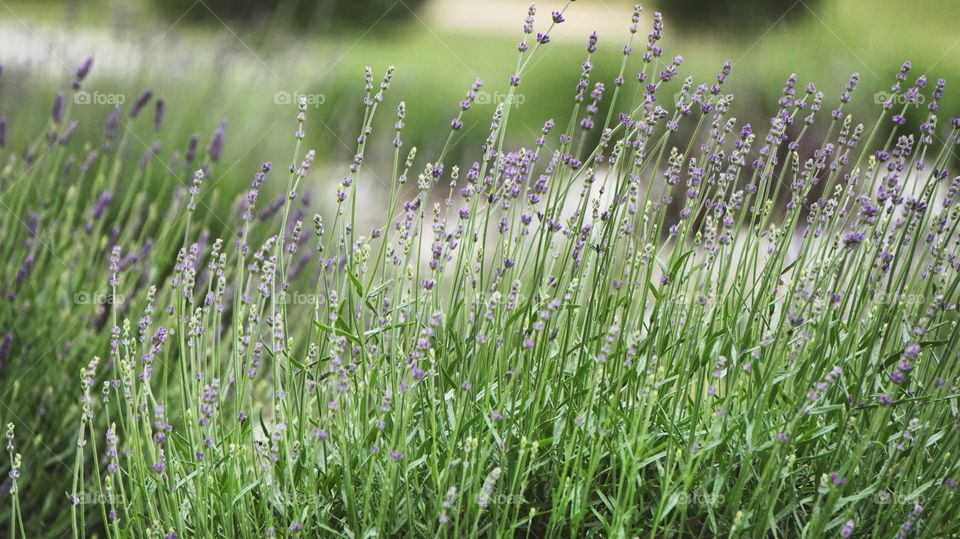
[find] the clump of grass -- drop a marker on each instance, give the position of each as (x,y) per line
(681,330)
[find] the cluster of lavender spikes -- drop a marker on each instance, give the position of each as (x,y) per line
(691,328)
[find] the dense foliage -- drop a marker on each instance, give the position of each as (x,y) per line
(689,328)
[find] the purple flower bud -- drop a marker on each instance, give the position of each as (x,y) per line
(852,239)
(68,133)
(592,43)
(5,346)
(82,72)
(140,103)
(837,479)
(158,114)
(191,152)
(215,148)
(58,108)
(113,124)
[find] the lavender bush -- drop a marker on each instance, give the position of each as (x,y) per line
(691,328)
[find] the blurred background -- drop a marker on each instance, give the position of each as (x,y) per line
(243,62)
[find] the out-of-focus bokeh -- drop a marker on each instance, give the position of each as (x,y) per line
(246,61)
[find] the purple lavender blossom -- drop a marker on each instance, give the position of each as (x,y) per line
(215,148)
(158,114)
(111,441)
(837,479)
(195,189)
(140,103)
(82,72)
(114,266)
(852,239)
(112,125)
(5,346)
(191,153)
(59,107)
(68,134)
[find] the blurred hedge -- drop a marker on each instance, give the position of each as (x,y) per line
(300,13)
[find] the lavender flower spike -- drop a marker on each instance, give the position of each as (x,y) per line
(140,103)
(215,148)
(158,114)
(82,72)
(195,189)
(68,133)
(191,152)
(58,108)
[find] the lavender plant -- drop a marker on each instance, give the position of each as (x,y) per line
(690,328)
